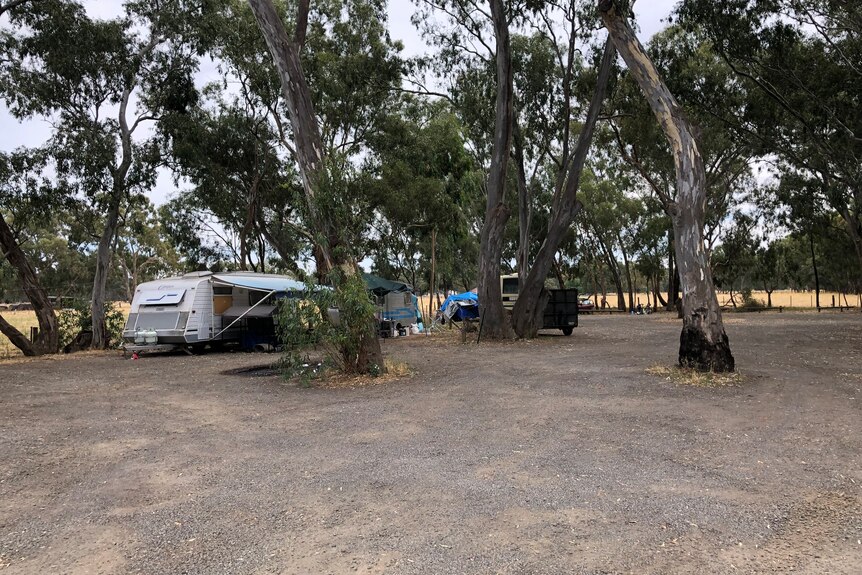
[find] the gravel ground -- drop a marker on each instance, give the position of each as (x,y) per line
(560,455)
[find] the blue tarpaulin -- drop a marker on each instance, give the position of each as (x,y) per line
(461,306)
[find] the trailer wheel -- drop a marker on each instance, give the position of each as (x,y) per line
(567,330)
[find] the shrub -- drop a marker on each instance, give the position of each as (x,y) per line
(77,317)
(749,302)
(306,323)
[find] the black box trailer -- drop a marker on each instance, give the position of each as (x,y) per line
(561,311)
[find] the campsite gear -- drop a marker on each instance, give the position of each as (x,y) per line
(460,306)
(397,307)
(561,311)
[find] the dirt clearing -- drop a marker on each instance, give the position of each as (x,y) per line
(561,455)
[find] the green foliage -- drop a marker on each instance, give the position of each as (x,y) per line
(424,181)
(77,317)
(749,302)
(800,76)
(332,321)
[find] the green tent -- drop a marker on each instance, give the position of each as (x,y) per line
(380,286)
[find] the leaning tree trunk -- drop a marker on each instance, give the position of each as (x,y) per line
(524,209)
(703,342)
(494,324)
(614,268)
(106,241)
(628,268)
(530,308)
(48,340)
(657,290)
(100,279)
(854,229)
(329,251)
(814,268)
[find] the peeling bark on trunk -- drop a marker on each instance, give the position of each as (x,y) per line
(527,315)
(48,340)
(703,341)
(494,320)
(328,250)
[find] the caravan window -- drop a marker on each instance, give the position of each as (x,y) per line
(510,285)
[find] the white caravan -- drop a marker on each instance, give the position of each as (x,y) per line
(204,307)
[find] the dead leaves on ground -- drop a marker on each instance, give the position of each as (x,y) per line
(695,378)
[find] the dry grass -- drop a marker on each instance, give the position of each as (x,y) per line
(695,378)
(22,321)
(395,371)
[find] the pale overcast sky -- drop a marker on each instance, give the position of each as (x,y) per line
(13,134)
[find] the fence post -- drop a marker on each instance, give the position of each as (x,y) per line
(34,334)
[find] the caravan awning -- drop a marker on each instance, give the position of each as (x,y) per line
(260,282)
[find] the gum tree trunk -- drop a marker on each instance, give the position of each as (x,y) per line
(524,211)
(48,340)
(328,250)
(628,269)
(529,309)
(703,341)
(106,241)
(494,321)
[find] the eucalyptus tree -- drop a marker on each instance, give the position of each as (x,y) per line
(101,82)
(198,235)
(24,194)
(426,189)
(735,258)
(770,267)
(12,4)
(228,152)
(799,63)
(323,151)
(142,252)
(544,65)
(529,309)
(703,342)
(706,87)
(607,220)
(650,244)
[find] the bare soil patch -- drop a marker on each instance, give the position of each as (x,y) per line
(559,455)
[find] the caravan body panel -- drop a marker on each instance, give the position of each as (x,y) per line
(195,308)
(166,307)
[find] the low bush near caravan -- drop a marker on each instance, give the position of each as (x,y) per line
(306,323)
(78,317)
